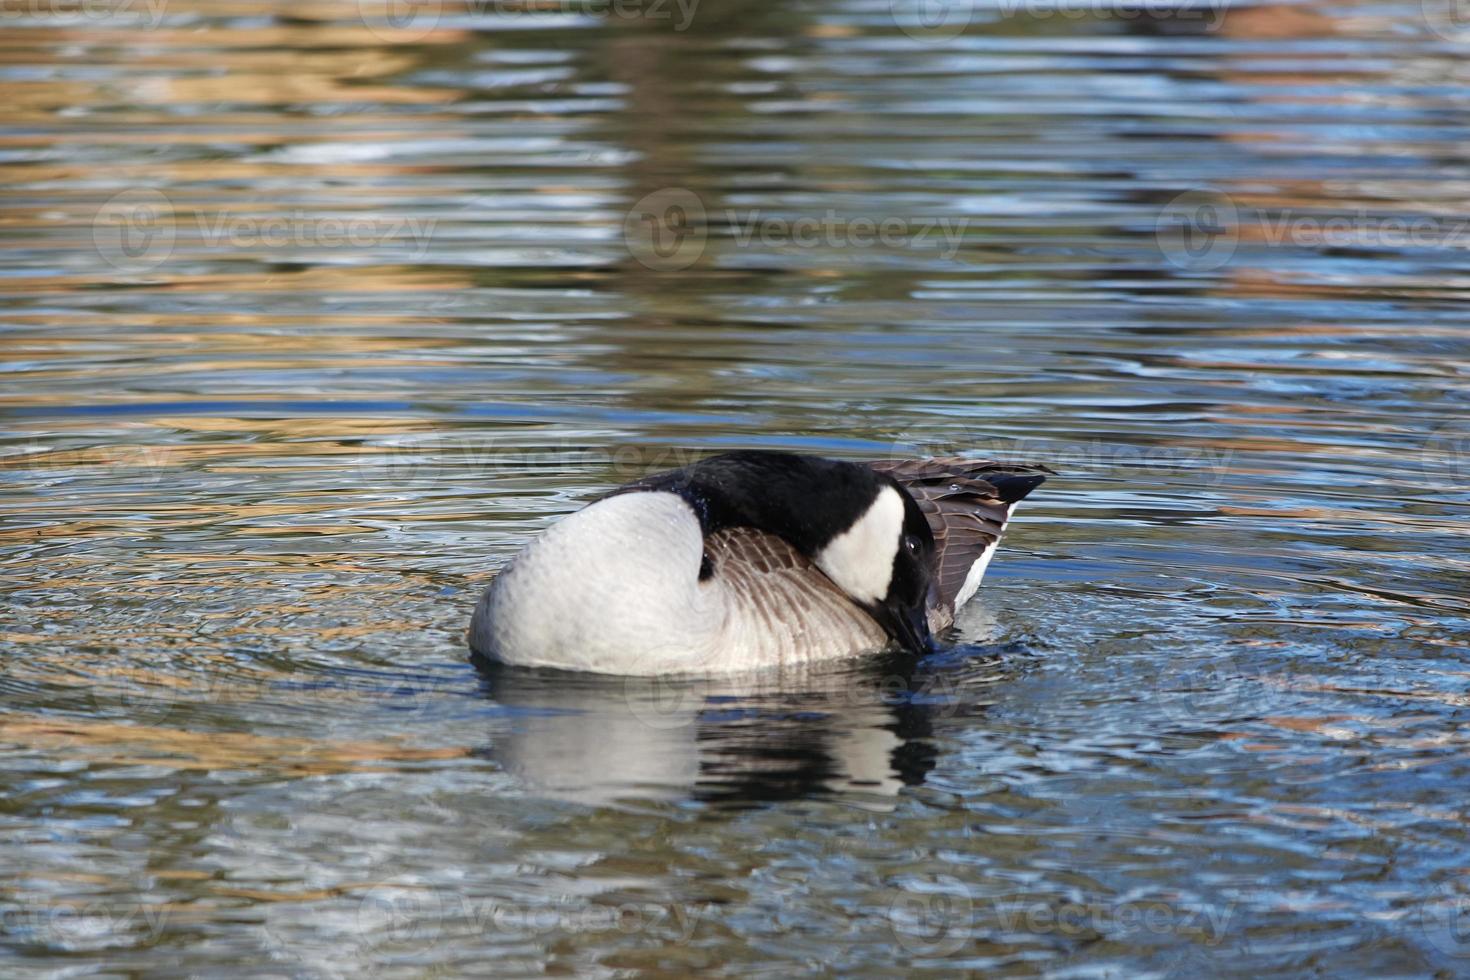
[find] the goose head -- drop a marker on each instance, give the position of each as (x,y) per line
(858,526)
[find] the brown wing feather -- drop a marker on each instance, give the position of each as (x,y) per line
(801,614)
(967,503)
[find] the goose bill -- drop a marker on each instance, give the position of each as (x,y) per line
(908,627)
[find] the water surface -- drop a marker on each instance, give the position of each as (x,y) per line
(312,313)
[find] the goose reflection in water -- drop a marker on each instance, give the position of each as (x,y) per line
(859,730)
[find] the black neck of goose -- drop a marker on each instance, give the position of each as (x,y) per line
(804,499)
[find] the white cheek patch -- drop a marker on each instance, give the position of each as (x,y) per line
(860,559)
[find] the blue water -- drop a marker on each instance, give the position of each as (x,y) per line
(312,315)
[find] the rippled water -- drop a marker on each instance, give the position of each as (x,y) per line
(313,312)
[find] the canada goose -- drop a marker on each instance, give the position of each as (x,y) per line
(753,559)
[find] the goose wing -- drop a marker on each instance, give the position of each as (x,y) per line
(778,598)
(967,503)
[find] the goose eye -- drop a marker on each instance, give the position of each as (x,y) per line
(911,543)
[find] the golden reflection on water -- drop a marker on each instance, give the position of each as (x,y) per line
(114,744)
